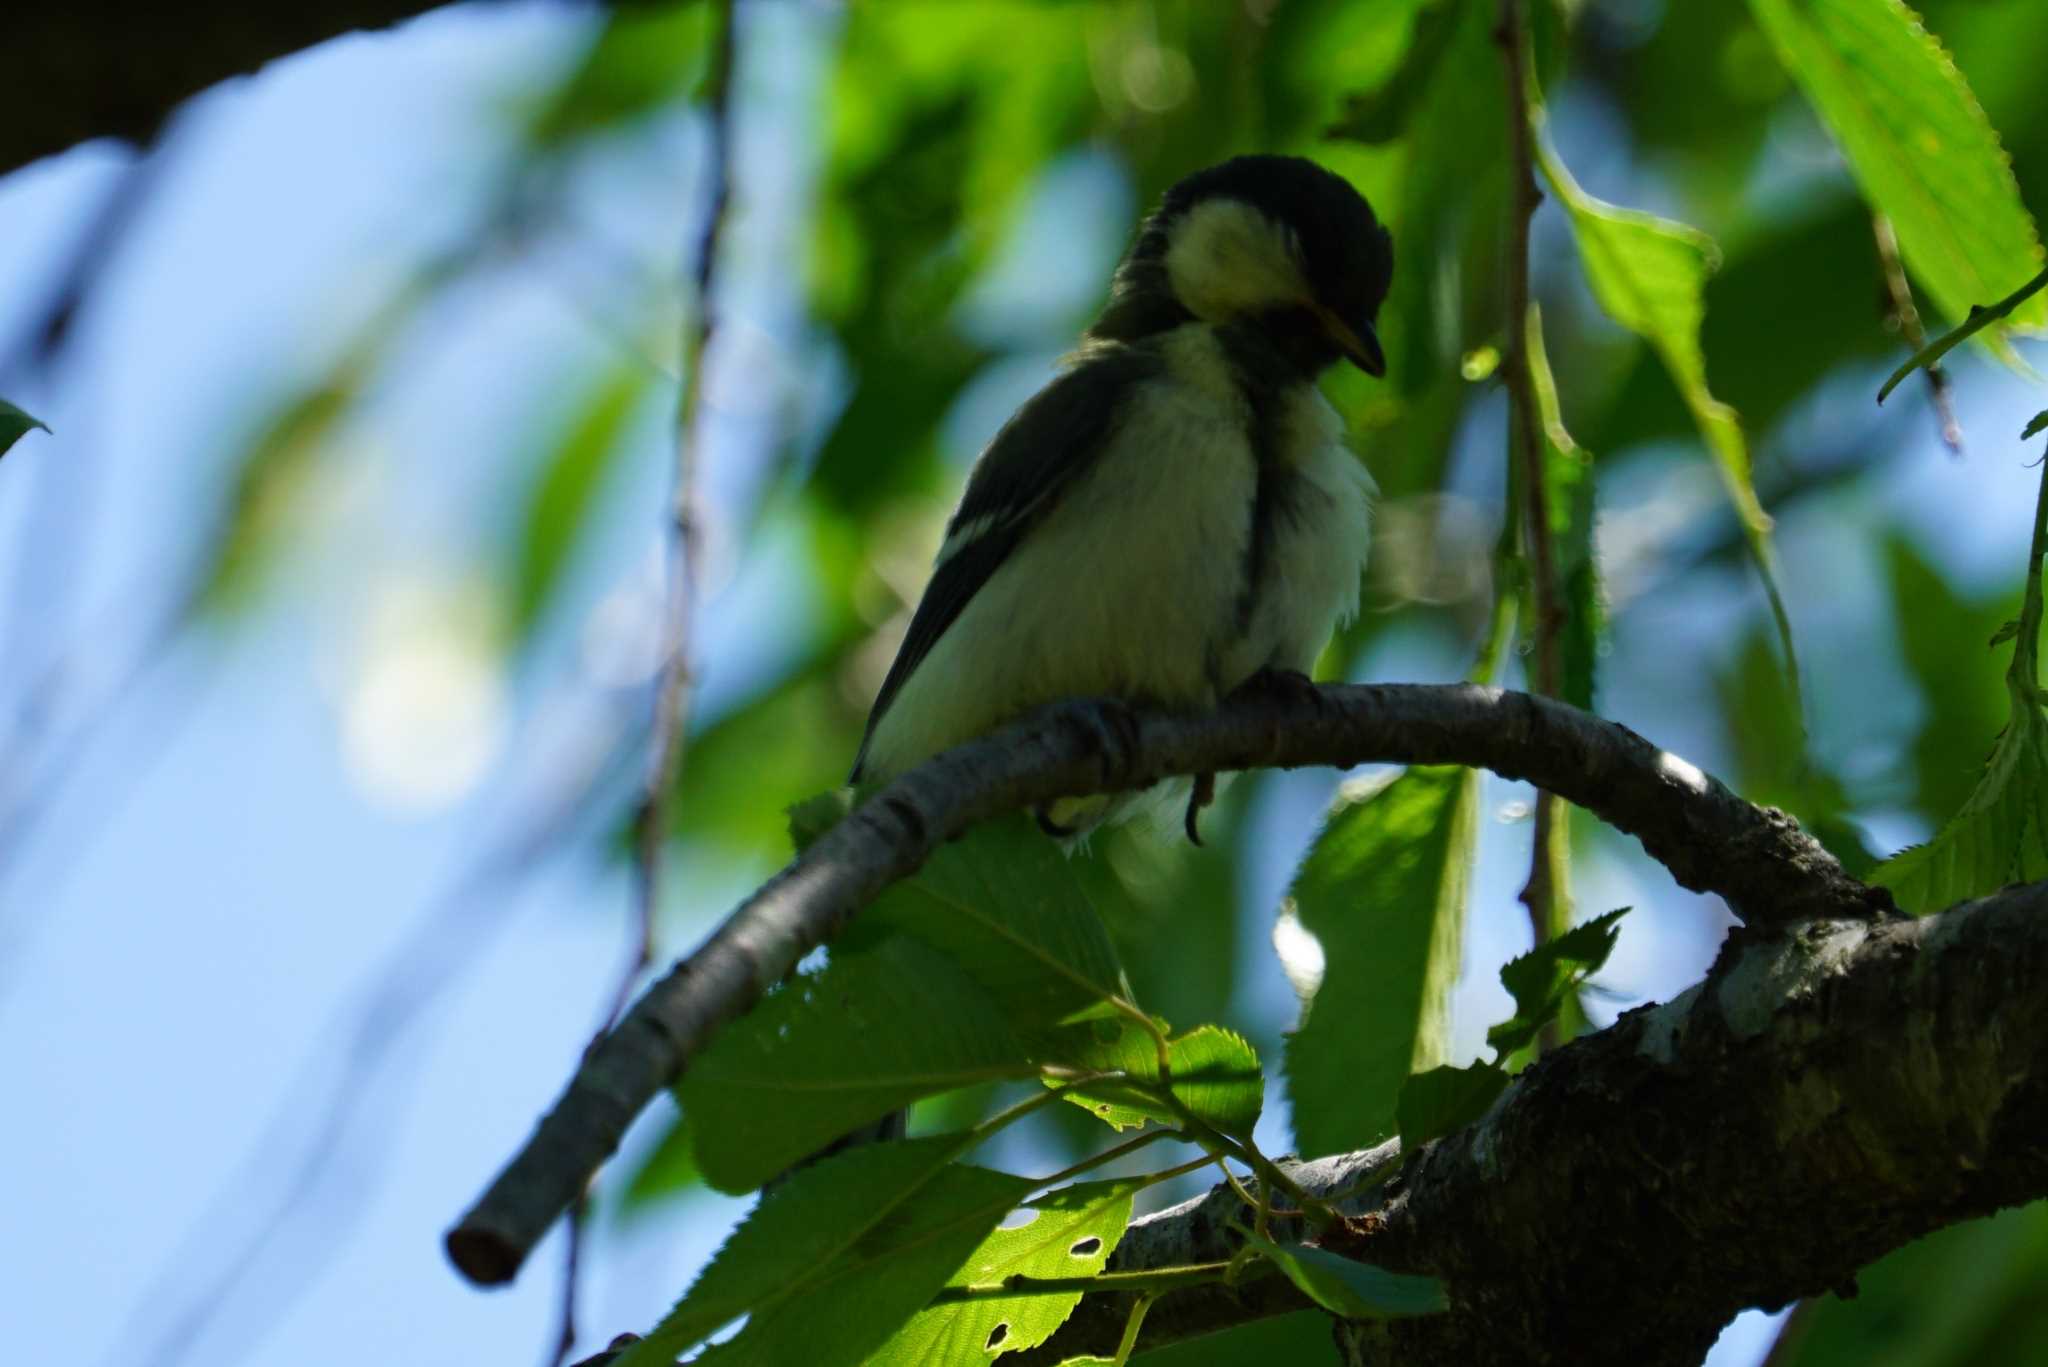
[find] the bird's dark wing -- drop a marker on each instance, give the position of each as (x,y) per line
(1019,478)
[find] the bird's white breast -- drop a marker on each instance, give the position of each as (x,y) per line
(1134,584)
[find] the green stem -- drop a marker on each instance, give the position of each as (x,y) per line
(1980,318)
(1151,1281)
(1129,1342)
(1118,1151)
(2024,677)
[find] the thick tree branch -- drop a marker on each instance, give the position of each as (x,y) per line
(93,69)
(1711,840)
(1819,1100)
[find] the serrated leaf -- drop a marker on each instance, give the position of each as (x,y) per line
(1353,1290)
(833,1261)
(2035,424)
(15,424)
(1384,891)
(831,1051)
(1437,1101)
(1918,144)
(1005,904)
(1075,1230)
(1216,1075)
(559,503)
(1541,980)
(2000,835)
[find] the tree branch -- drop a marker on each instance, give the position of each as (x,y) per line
(93,69)
(1770,872)
(1820,1099)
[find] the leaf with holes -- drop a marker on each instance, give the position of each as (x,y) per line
(838,1049)
(1352,1290)
(1383,890)
(1216,1076)
(833,1263)
(1072,1234)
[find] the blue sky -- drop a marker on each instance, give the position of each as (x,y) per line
(242,848)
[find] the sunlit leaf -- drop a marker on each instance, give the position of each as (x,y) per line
(1216,1076)
(1071,1234)
(831,1263)
(1918,143)
(1649,275)
(831,1051)
(1353,1290)
(1384,891)
(1383,114)
(1439,1100)
(15,424)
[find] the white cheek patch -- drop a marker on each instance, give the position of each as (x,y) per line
(1226,258)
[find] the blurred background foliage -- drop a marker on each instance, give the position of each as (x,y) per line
(927,199)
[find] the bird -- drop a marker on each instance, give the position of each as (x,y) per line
(1176,515)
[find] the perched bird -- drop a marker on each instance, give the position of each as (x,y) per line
(1176,514)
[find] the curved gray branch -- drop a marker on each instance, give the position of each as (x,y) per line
(1820,1099)
(1711,840)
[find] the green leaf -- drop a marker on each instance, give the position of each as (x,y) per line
(835,1050)
(2035,424)
(15,424)
(1918,143)
(1440,1100)
(667,1171)
(1216,1076)
(1072,1234)
(1569,507)
(1301,1339)
(1649,274)
(816,815)
(640,62)
(1353,1290)
(1541,980)
(1383,114)
(1384,891)
(559,504)
(833,1262)
(2000,835)
(1006,905)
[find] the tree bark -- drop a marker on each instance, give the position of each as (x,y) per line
(1821,1098)
(1770,872)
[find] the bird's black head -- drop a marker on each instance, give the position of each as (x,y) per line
(1268,243)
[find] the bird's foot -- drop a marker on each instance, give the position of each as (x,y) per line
(1281,685)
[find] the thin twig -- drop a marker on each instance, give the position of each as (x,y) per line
(672,693)
(1542,893)
(1770,872)
(1906,314)
(1981,316)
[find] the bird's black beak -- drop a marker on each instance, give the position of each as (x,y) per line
(1359,343)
